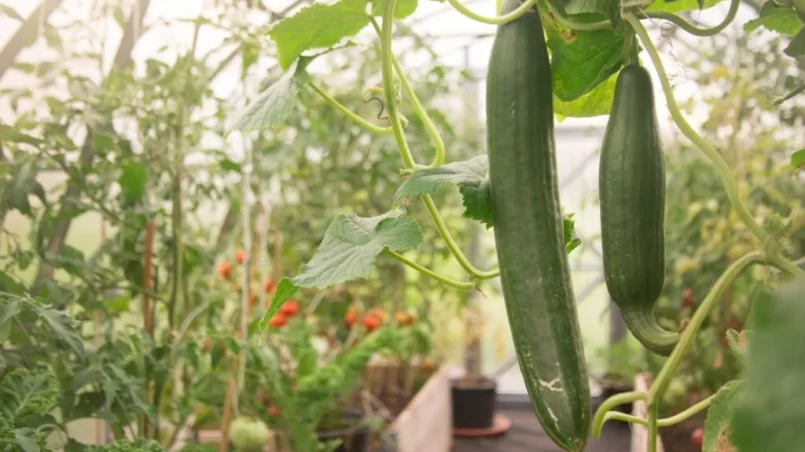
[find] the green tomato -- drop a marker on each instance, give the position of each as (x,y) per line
(248,435)
(676,391)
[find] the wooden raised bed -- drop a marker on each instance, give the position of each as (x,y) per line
(640,409)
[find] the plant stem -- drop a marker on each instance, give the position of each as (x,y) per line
(653,412)
(352,115)
(665,422)
(692,29)
(428,272)
(609,404)
(787,266)
(388,84)
(497,20)
(722,168)
(696,321)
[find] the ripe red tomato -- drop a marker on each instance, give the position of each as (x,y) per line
(371,322)
(225,270)
(697,437)
(240,256)
(268,285)
(379,313)
(274,411)
(290,308)
(278,320)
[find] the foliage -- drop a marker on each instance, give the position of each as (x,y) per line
(138,445)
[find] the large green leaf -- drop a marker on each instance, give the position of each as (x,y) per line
(678,6)
(595,103)
(798,159)
(317,26)
(771,413)
(582,64)
(271,107)
(402,8)
(719,414)
(775,18)
(477,200)
(796,48)
(426,181)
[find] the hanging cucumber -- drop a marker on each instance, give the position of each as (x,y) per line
(534,271)
(632,194)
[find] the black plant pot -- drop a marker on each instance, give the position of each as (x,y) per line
(474,401)
(356,437)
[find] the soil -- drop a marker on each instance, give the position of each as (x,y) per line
(472,382)
(677,438)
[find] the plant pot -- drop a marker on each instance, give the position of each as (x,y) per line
(474,401)
(354,438)
(611,388)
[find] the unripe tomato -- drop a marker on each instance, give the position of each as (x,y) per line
(290,308)
(278,320)
(404,318)
(240,256)
(697,437)
(225,270)
(371,322)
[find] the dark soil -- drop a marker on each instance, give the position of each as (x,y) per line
(469,382)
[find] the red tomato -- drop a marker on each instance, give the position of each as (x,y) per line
(278,320)
(274,411)
(350,317)
(225,270)
(379,313)
(687,298)
(290,308)
(697,437)
(268,285)
(240,256)
(371,322)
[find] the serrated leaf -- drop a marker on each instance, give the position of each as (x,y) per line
(10,134)
(402,8)
(775,18)
(595,103)
(26,440)
(678,6)
(351,244)
(771,412)
(798,159)
(796,47)
(477,201)
(579,66)
(317,26)
(428,180)
(133,180)
(720,413)
(284,291)
(572,240)
(272,105)
(63,327)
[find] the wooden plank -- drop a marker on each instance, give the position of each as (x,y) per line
(426,423)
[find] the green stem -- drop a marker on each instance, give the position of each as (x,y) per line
(419,109)
(692,29)
(352,115)
(452,245)
(497,20)
(653,412)
(792,268)
(696,321)
(722,168)
(386,58)
(428,272)
(610,403)
(665,422)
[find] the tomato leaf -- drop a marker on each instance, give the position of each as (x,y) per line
(63,327)
(582,64)
(351,244)
(595,103)
(678,6)
(775,18)
(271,107)
(771,411)
(10,134)
(428,180)
(317,26)
(720,413)
(796,47)
(133,180)
(11,13)
(798,159)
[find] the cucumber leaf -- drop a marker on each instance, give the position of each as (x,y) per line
(716,427)
(271,107)
(775,18)
(678,6)
(426,181)
(477,201)
(798,159)
(595,103)
(771,412)
(796,47)
(318,26)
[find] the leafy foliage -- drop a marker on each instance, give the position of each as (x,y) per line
(27,398)
(719,415)
(139,445)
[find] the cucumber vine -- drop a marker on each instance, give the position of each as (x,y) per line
(374,236)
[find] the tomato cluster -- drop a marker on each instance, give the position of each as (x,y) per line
(375,317)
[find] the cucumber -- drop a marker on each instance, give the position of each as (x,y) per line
(632,193)
(529,234)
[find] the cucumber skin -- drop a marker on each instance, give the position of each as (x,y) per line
(632,194)
(529,233)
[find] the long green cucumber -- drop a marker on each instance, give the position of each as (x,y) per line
(534,271)
(632,194)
